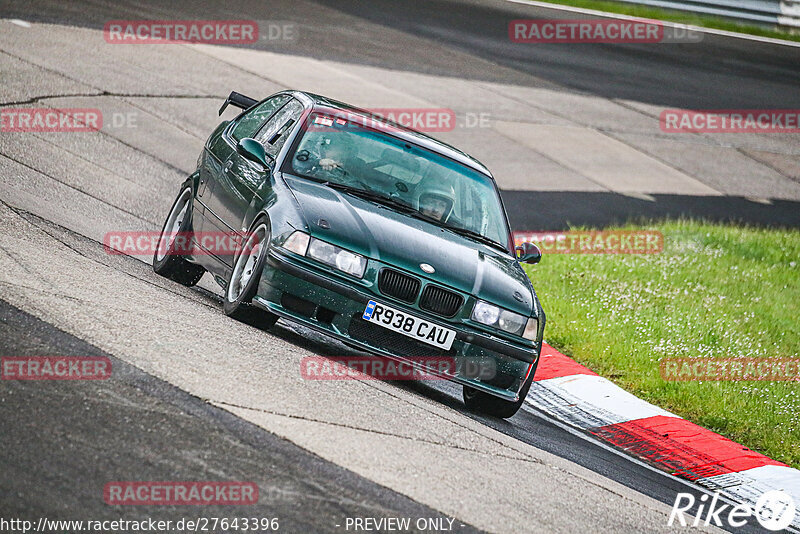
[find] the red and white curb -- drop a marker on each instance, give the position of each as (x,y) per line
(571,393)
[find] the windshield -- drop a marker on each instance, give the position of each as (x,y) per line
(441,190)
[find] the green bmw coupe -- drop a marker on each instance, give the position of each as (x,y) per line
(377,235)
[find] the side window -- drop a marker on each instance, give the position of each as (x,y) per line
(248,124)
(274,133)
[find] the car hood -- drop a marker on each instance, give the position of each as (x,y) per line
(383,234)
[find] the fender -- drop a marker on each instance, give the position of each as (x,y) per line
(193,181)
(263,200)
(275,199)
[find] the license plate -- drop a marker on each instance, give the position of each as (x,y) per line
(408,325)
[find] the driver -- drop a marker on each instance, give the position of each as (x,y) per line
(336,153)
(331,156)
(437,200)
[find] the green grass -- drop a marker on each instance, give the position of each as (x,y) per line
(715,291)
(683,17)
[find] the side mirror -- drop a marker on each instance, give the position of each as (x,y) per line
(528,253)
(251,149)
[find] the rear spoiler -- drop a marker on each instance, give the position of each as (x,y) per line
(238,100)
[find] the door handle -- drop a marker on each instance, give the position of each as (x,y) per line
(228,166)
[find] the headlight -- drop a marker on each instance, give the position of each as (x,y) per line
(297,243)
(505,320)
(485,313)
(344,260)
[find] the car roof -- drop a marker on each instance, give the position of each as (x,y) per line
(328,105)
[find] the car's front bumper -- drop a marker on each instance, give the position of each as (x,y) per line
(293,288)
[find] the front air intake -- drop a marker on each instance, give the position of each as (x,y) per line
(398,285)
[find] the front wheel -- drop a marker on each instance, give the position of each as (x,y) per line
(246,273)
(495,406)
(173,243)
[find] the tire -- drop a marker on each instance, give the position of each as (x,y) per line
(490,405)
(245,275)
(166,261)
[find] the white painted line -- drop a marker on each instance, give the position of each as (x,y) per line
(557,401)
(777,477)
(588,401)
(752,483)
(702,29)
(605,446)
(18,22)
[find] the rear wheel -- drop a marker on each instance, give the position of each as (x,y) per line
(173,243)
(495,406)
(246,273)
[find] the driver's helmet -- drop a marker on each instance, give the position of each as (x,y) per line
(436,200)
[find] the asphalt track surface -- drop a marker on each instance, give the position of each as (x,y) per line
(468,39)
(160,418)
(63,461)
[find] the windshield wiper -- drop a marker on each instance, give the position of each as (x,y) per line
(371,195)
(477,237)
(458,230)
(408,209)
